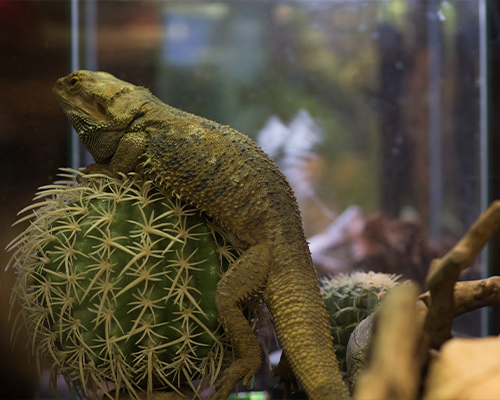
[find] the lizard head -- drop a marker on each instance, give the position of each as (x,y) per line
(100,107)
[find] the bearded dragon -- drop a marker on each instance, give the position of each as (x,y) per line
(225,174)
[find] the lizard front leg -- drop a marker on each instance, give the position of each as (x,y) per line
(245,279)
(131,147)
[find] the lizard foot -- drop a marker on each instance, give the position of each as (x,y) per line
(100,169)
(285,377)
(239,369)
(96,169)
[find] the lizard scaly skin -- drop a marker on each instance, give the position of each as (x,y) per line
(228,176)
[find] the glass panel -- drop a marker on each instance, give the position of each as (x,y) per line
(375,110)
(369,104)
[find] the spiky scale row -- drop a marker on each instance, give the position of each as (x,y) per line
(117,283)
(349,299)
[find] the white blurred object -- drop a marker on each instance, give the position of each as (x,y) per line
(331,249)
(293,147)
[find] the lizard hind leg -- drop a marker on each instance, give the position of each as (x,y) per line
(244,280)
(283,371)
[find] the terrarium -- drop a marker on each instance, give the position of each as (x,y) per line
(375,111)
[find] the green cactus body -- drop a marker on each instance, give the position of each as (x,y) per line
(117,284)
(349,299)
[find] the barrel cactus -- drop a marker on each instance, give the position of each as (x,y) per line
(349,299)
(117,284)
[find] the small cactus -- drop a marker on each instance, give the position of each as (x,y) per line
(349,299)
(117,284)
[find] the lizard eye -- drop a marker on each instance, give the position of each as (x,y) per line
(74,84)
(101,109)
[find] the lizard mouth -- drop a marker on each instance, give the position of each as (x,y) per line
(75,113)
(78,116)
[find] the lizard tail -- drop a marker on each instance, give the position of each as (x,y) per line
(293,297)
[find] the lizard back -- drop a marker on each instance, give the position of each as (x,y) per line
(223,172)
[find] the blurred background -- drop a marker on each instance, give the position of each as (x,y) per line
(382,115)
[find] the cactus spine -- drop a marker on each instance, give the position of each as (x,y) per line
(349,299)
(117,284)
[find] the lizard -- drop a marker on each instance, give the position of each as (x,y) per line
(225,174)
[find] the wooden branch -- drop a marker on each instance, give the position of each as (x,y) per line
(468,296)
(394,363)
(405,329)
(444,273)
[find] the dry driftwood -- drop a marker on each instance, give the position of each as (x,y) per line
(374,243)
(406,329)
(465,369)
(444,273)
(394,369)
(468,296)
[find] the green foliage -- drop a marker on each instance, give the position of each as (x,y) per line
(349,299)
(117,284)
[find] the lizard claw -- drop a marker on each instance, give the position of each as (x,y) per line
(236,371)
